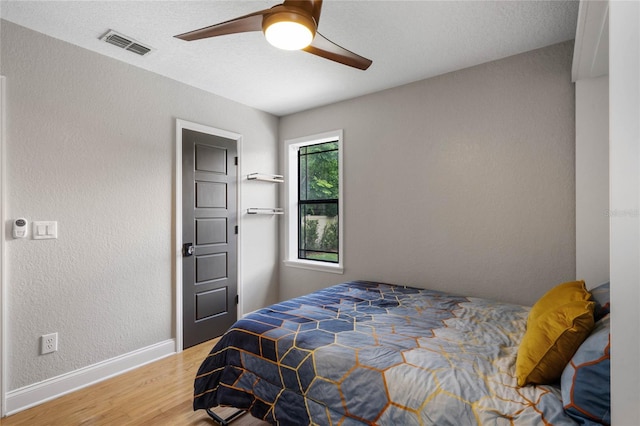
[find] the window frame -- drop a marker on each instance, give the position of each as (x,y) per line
(292,147)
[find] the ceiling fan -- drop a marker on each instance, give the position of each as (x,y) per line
(291,25)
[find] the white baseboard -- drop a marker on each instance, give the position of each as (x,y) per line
(37,393)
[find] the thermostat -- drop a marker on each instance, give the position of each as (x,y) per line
(20,228)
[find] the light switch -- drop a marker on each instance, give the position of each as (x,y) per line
(45,230)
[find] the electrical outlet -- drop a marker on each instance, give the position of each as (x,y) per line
(48,343)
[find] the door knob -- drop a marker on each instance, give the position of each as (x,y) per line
(188,249)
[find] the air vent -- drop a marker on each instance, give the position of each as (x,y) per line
(126,43)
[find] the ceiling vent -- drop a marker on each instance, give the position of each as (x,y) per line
(126,43)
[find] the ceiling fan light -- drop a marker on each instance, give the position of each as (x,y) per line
(288,31)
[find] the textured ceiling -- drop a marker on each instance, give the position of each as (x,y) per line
(407,41)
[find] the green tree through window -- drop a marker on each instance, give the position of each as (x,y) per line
(318,197)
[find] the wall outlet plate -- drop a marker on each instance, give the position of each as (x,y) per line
(48,343)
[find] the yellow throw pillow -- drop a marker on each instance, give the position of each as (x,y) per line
(558,296)
(551,340)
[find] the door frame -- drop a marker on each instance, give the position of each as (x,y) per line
(3,266)
(177,212)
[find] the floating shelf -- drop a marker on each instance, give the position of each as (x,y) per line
(266,177)
(260,210)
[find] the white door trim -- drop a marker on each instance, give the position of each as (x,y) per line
(177,209)
(3,266)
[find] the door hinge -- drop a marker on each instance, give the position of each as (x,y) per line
(236,229)
(237,299)
(235,161)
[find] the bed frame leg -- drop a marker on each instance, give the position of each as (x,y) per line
(225,421)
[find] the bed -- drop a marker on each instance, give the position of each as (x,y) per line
(373,353)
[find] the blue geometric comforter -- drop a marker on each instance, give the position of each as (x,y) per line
(372,353)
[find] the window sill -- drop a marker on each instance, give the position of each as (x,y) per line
(315,266)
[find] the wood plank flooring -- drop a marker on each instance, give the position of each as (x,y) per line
(159,393)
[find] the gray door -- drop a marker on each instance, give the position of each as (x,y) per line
(209,281)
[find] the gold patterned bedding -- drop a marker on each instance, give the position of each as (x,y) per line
(373,353)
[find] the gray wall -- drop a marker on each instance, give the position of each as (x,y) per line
(462,182)
(592,180)
(90,144)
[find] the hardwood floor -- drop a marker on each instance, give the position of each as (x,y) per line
(156,394)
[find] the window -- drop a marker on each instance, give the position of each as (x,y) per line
(318,196)
(314,202)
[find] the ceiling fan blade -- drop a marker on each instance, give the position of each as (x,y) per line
(243,24)
(323,47)
(311,6)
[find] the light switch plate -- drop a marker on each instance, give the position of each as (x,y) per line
(45,230)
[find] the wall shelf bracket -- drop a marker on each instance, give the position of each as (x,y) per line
(260,210)
(266,177)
